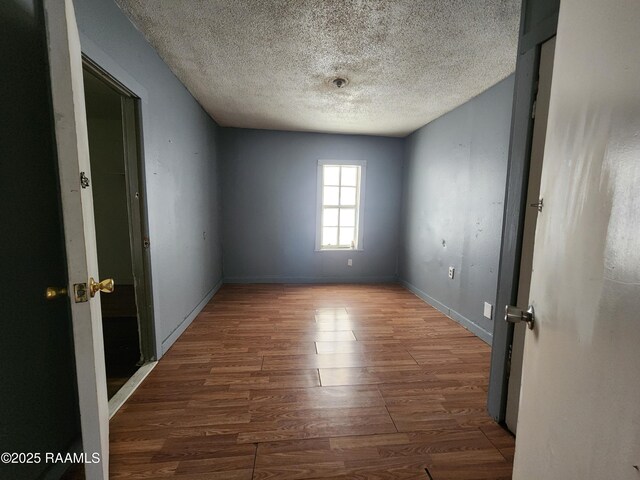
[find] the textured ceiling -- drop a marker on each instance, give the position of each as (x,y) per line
(268,63)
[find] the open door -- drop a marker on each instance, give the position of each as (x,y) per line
(120,220)
(65,66)
(579,415)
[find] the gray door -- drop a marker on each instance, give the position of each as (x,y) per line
(530,219)
(37,381)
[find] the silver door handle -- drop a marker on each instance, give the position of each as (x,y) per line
(516,315)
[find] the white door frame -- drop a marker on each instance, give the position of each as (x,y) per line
(530,219)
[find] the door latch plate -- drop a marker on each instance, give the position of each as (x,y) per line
(80,292)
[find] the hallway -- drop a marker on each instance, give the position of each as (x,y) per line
(300,382)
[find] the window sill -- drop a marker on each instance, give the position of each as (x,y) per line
(339,250)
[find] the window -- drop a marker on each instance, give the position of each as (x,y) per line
(340,199)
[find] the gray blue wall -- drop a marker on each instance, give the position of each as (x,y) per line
(269,197)
(180,154)
(453,192)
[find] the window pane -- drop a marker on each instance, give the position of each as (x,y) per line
(330,217)
(349,176)
(347,217)
(331,195)
(329,236)
(331,175)
(346,235)
(348,196)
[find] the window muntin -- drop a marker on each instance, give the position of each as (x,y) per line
(339,206)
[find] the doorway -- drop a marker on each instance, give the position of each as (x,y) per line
(122,245)
(534,206)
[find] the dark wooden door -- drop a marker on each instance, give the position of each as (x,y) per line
(38,399)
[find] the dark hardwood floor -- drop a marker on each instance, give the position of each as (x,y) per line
(300,382)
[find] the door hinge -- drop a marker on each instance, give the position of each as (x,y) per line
(80,292)
(539,204)
(84,180)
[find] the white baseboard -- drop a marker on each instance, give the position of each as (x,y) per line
(173,336)
(304,280)
(462,320)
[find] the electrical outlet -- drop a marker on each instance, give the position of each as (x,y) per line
(350,262)
(451,272)
(488,310)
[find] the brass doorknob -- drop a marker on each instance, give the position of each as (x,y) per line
(106,286)
(55,292)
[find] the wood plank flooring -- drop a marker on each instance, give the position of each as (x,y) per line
(304,382)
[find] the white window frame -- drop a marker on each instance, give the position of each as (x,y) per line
(360,197)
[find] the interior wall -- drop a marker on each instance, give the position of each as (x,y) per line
(269,195)
(106,149)
(453,191)
(38,399)
(181,167)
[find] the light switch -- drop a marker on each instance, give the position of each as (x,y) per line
(488,310)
